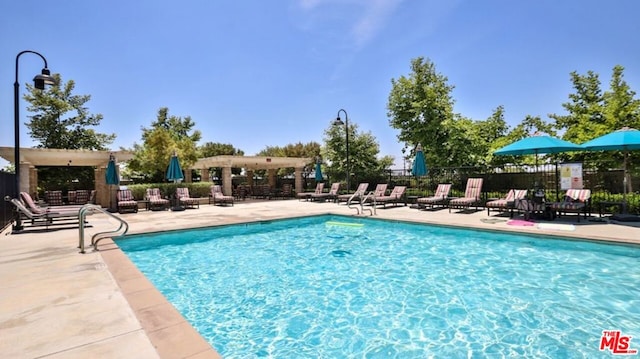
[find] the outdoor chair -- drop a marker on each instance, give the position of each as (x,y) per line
(356,196)
(35,208)
(380,191)
(307,195)
(575,201)
(439,198)
(324,196)
(507,203)
(396,196)
(53,198)
(471,195)
(47,217)
(217,197)
(82,197)
(155,200)
(184,199)
(126,201)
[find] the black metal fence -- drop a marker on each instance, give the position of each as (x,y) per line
(7,188)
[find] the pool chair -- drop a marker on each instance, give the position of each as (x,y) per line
(575,201)
(471,196)
(184,199)
(380,191)
(68,215)
(324,196)
(356,196)
(307,195)
(155,201)
(216,197)
(508,203)
(125,201)
(396,196)
(53,198)
(440,198)
(35,208)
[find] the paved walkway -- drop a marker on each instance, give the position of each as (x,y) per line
(57,303)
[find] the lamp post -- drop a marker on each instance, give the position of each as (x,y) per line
(44,78)
(338,122)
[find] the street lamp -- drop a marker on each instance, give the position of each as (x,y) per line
(39,82)
(338,122)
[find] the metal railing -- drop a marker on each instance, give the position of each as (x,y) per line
(96,238)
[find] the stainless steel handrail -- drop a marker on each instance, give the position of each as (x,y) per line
(100,235)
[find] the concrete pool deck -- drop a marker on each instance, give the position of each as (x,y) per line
(57,303)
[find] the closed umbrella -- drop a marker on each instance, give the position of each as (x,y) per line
(625,139)
(111,178)
(174,172)
(318,171)
(419,167)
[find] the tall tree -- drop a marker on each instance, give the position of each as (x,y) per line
(363,154)
(419,106)
(166,136)
(62,120)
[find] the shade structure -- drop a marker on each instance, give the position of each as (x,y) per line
(318,172)
(174,172)
(538,145)
(625,139)
(419,167)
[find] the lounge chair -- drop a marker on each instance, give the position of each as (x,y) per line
(471,195)
(126,201)
(356,196)
(307,195)
(48,217)
(184,199)
(53,198)
(34,208)
(507,203)
(575,201)
(287,190)
(331,195)
(380,191)
(216,197)
(396,196)
(440,198)
(155,200)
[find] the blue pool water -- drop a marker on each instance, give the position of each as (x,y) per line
(316,288)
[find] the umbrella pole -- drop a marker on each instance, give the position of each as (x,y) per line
(624,183)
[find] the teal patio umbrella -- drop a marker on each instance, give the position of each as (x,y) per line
(538,145)
(625,139)
(318,172)
(419,167)
(174,171)
(111,178)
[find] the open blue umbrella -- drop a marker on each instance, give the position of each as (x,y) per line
(318,172)
(111,178)
(174,172)
(625,139)
(419,167)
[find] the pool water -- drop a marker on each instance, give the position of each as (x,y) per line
(341,287)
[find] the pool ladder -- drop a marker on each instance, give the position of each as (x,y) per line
(92,208)
(362,201)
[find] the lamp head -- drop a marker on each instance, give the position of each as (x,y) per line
(43,79)
(338,122)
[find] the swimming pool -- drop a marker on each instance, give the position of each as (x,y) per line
(340,287)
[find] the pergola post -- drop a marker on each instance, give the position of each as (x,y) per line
(298,179)
(227,185)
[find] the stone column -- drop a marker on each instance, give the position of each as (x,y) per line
(33,182)
(250,178)
(227,185)
(204,175)
(271,175)
(298,179)
(102,189)
(25,175)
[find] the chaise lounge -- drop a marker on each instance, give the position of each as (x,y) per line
(396,196)
(507,203)
(216,197)
(439,198)
(324,196)
(126,201)
(575,201)
(356,196)
(471,196)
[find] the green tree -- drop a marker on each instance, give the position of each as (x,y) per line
(309,150)
(420,106)
(62,120)
(166,136)
(363,154)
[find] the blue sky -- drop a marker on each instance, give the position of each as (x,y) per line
(269,73)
